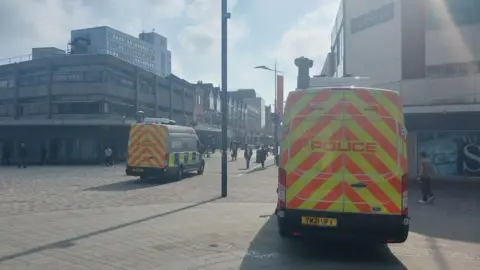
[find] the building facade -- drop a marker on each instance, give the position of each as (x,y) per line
(46,52)
(75,105)
(428,51)
(149,51)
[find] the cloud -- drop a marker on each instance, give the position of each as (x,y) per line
(34,23)
(309,37)
(203,36)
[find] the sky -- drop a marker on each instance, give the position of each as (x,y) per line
(260,32)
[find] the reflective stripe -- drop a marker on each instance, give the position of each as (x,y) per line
(146,146)
(340,178)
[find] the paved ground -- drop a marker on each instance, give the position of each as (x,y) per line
(98,218)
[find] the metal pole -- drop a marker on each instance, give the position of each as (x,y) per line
(224,17)
(275,121)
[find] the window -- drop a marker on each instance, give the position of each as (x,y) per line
(93,76)
(35,108)
(3,83)
(78,108)
(452,12)
(373,18)
(176,144)
(68,77)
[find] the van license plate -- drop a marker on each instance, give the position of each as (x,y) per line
(137,170)
(320,222)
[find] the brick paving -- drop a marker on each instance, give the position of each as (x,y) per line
(98,218)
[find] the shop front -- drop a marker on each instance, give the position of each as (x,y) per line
(453,153)
(451,141)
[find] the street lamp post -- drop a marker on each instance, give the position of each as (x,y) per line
(275,110)
(224,17)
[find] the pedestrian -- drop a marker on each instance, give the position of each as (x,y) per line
(108,157)
(426,174)
(248,155)
(23,156)
(5,155)
(234,149)
(262,155)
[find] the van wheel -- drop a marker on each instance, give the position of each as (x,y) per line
(201,169)
(179,175)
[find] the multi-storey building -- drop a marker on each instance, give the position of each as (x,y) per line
(149,51)
(75,105)
(428,51)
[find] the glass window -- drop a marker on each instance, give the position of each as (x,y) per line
(68,76)
(3,83)
(93,76)
(447,13)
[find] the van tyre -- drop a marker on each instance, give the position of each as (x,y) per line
(282,230)
(201,169)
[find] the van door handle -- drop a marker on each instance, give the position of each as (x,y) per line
(358,185)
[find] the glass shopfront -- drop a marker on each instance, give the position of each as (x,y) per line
(453,153)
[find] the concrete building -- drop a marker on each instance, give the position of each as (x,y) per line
(75,105)
(428,51)
(46,52)
(249,96)
(149,51)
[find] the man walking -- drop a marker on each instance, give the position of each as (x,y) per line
(248,155)
(426,174)
(23,156)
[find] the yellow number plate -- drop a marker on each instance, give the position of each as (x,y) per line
(318,221)
(137,170)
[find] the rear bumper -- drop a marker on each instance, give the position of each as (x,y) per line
(365,227)
(145,172)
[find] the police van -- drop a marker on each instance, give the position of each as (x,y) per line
(343,168)
(158,148)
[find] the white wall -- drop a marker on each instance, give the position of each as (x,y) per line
(374,52)
(454,94)
(453,45)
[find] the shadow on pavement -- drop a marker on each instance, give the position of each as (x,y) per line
(71,241)
(269,251)
(258,169)
(134,184)
(453,215)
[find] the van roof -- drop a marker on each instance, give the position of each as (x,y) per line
(315,89)
(172,128)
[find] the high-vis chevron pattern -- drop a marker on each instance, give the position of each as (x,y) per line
(343,150)
(183,158)
(147,146)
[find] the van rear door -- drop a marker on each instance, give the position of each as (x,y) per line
(147,146)
(374,158)
(313,172)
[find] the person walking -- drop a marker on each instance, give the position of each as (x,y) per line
(262,152)
(108,157)
(426,174)
(248,155)
(23,156)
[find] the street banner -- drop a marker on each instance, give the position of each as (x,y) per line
(279,105)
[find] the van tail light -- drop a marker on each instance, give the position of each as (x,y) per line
(281,190)
(404,195)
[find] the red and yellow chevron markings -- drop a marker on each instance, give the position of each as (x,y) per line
(146,147)
(327,179)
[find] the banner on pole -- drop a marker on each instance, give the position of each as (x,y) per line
(279,105)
